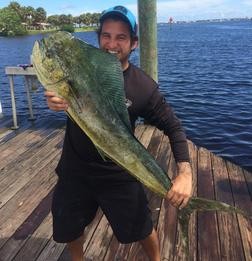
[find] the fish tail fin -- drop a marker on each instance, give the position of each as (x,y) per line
(202,204)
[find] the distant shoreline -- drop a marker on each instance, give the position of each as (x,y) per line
(76,30)
(217,20)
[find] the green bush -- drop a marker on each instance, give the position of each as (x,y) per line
(10,23)
(67,27)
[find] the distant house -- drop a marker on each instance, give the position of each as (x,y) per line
(37,26)
(43,26)
(25,25)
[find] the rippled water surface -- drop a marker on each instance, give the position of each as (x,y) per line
(205,71)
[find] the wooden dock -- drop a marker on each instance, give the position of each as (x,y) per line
(28,157)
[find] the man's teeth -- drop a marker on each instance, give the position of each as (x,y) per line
(112,52)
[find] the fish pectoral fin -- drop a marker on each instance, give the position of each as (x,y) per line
(102,154)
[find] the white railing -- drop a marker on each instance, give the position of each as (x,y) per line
(26,71)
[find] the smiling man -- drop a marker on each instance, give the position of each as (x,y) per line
(86,182)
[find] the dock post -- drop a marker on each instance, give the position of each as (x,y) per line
(29,99)
(13,102)
(147,16)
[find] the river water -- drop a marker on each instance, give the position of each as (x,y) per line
(205,72)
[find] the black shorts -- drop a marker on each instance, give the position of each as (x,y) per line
(75,202)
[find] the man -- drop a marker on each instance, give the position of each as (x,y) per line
(86,182)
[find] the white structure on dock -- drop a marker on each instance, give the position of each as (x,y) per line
(26,71)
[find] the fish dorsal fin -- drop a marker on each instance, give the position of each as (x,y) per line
(110,81)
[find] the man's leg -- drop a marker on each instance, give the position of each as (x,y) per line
(71,199)
(151,246)
(76,249)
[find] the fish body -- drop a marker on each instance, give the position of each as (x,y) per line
(92,83)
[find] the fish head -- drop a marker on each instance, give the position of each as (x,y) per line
(48,61)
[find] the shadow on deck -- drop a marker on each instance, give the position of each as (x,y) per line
(28,157)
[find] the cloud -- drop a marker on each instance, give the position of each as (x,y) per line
(67,6)
(66,9)
(247,2)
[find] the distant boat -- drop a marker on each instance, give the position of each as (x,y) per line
(170,21)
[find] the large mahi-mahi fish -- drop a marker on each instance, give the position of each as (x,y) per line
(91,81)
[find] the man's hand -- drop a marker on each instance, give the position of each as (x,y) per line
(55,103)
(181,190)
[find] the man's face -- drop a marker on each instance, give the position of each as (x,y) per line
(115,38)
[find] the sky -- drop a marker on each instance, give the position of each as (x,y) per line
(186,10)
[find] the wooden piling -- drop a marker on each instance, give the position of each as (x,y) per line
(147,16)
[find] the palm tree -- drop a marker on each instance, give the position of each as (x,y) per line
(77,20)
(29,15)
(40,15)
(15,6)
(65,19)
(95,18)
(53,20)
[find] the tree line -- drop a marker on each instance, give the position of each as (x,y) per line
(18,20)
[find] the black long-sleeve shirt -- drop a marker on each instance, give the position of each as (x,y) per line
(79,155)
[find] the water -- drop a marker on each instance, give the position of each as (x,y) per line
(204,71)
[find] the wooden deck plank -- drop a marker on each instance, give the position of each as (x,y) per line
(230,238)
(242,199)
(246,234)
(239,187)
(28,127)
(154,149)
(167,223)
(27,231)
(146,136)
(51,252)
(193,236)
(17,176)
(5,128)
(36,242)
(24,202)
(178,251)
(248,179)
(24,142)
(207,222)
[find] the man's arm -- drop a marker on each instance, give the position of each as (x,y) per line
(160,114)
